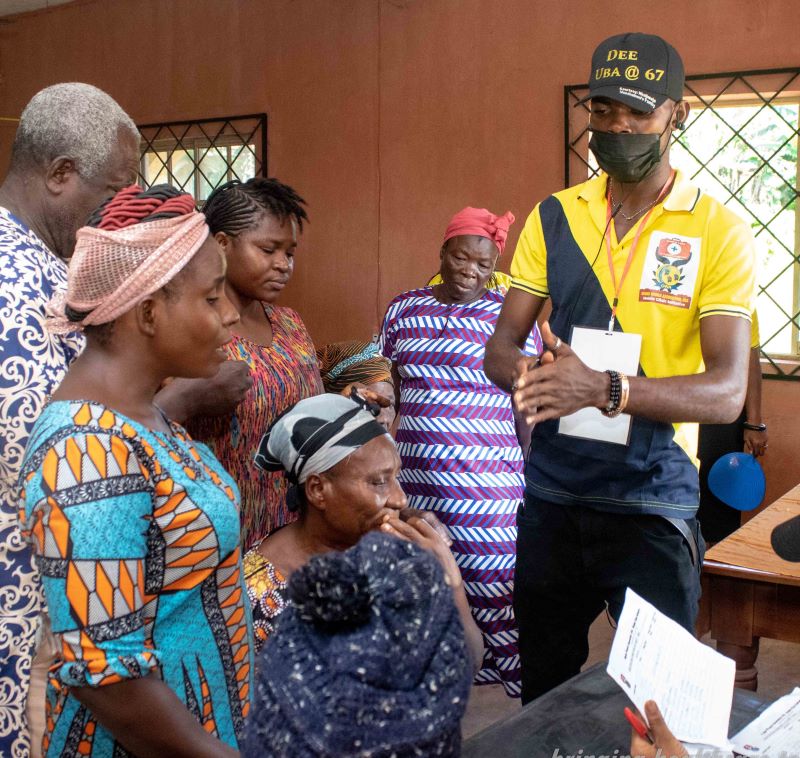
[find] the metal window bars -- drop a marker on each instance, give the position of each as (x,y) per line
(199,155)
(740,145)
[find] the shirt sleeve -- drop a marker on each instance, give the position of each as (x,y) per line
(529,265)
(386,341)
(755,334)
(88,506)
(34,363)
(729,278)
(266,590)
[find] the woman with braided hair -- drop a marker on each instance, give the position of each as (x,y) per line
(257,224)
(135,527)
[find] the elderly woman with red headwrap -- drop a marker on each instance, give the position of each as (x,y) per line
(135,526)
(456,433)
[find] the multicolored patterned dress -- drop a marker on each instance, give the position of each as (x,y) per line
(283,373)
(266,591)
(136,535)
(461,458)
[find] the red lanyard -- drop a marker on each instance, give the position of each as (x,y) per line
(631,253)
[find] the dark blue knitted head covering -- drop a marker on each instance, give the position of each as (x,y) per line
(368,659)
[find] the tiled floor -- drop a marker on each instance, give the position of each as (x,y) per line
(778,673)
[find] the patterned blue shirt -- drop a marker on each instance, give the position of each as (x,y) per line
(32,364)
(136,535)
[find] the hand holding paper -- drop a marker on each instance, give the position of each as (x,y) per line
(660,742)
(654,658)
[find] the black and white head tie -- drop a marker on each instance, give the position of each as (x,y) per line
(315,434)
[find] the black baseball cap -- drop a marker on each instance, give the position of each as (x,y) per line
(639,70)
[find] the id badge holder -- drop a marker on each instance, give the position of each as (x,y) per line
(603,350)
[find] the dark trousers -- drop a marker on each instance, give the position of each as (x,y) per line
(572,561)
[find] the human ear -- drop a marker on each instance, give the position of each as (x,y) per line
(147,315)
(681,114)
(224,241)
(314,488)
(59,172)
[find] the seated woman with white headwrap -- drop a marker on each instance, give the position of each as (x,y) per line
(342,466)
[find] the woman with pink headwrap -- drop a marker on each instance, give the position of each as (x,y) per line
(456,433)
(135,526)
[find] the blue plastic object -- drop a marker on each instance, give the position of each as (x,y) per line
(738,480)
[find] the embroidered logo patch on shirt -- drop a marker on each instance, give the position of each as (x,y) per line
(670,270)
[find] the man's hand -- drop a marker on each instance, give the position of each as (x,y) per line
(560,385)
(183,399)
(755,443)
(665,744)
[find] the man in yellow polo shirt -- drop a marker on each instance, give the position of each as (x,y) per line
(652,285)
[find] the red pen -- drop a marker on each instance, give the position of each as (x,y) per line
(638,725)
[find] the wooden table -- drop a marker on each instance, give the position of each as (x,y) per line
(749,592)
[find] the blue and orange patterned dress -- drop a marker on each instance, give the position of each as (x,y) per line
(283,373)
(136,534)
(461,457)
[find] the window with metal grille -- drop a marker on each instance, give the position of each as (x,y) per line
(740,146)
(197,156)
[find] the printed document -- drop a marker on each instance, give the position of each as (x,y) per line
(654,658)
(776,732)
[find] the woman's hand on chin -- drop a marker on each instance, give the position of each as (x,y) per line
(430,518)
(420,532)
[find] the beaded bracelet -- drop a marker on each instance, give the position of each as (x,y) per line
(614,395)
(618,394)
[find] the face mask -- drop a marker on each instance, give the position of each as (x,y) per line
(628,158)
